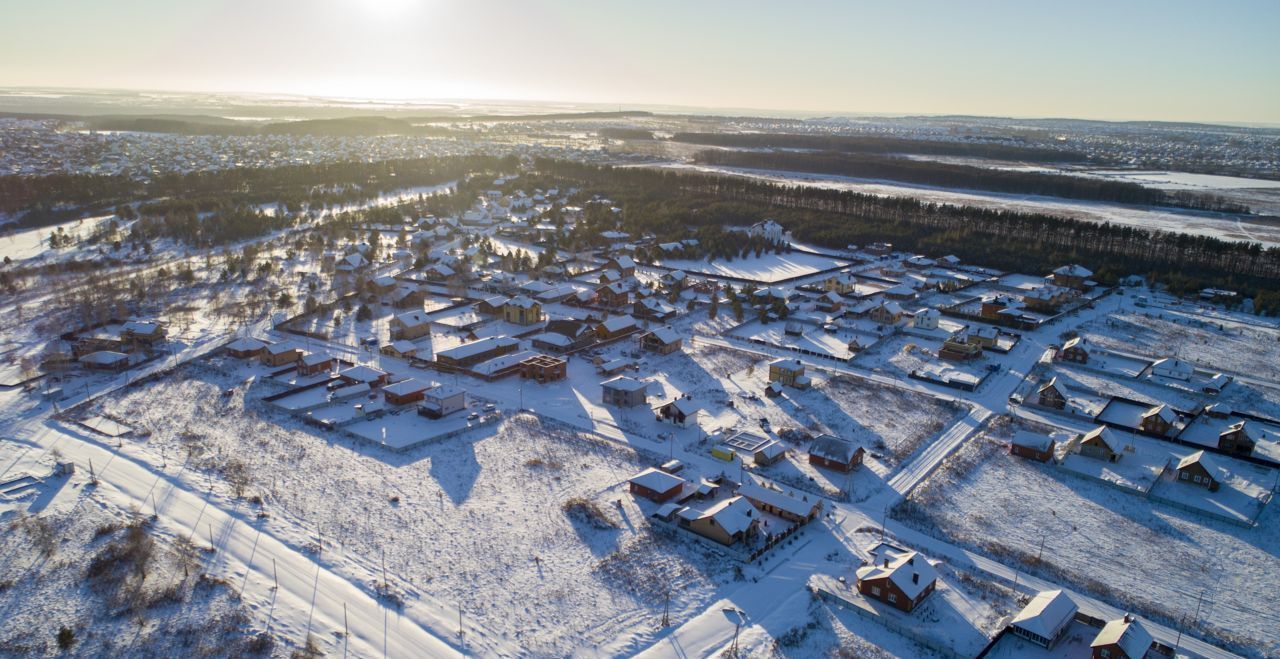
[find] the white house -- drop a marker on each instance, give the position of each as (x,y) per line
(1174,369)
(769,230)
(441,401)
(927,319)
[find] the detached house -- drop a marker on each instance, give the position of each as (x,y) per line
(1072,276)
(281,354)
(1033,446)
(831,452)
(1101,443)
(616,327)
(1197,469)
(410,325)
(887,313)
(1049,395)
(789,372)
(663,341)
(898,577)
(245,348)
(1158,420)
(1174,369)
(1045,618)
(623,391)
(682,412)
(727,522)
(655,485)
(1239,437)
(1074,350)
(787,506)
(1122,638)
(522,310)
(623,265)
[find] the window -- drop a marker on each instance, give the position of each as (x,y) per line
(893,597)
(875,590)
(1183,475)
(1104,653)
(1196,478)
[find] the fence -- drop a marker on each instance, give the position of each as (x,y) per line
(912,632)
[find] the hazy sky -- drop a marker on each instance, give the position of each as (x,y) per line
(1119,59)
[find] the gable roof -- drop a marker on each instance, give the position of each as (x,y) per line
(656,480)
(779,500)
(901,566)
(833,448)
(405,387)
(1197,458)
(1046,614)
(624,383)
(1032,440)
(1128,634)
(734,515)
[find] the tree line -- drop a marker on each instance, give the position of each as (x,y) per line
(925,172)
(675,204)
(885,146)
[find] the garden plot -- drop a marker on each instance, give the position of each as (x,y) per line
(813,341)
(763,268)
(904,355)
(1209,344)
(475,521)
(1160,558)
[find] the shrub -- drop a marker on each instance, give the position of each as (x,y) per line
(588,511)
(66,638)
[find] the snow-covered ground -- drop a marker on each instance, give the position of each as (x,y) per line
(763,268)
(1122,548)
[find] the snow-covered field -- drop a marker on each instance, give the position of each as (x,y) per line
(1139,555)
(1147,218)
(763,268)
(474,521)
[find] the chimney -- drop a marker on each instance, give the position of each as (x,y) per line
(359,411)
(915,577)
(1128,618)
(886,562)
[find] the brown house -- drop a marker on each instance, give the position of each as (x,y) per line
(1074,350)
(316,363)
(663,341)
(405,392)
(612,295)
(831,452)
(1049,395)
(1158,420)
(1101,444)
(1238,438)
(1196,469)
(246,348)
(1122,638)
(656,485)
(727,522)
(898,577)
(281,354)
(470,354)
(623,265)
(615,327)
(1032,446)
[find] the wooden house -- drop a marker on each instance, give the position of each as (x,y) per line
(405,391)
(1239,438)
(1101,443)
(402,349)
(789,507)
(492,305)
(787,372)
(898,577)
(612,295)
(728,522)
(1049,395)
(1032,446)
(522,310)
(105,360)
(316,363)
(246,348)
(1045,619)
(1122,638)
(655,485)
(281,354)
(615,327)
(623,265)
(1158,420)
(1197,469)
(831,452)
(470,354)
(887,313)
(1071,276)
(410,325)
(1074,350)
(663,341)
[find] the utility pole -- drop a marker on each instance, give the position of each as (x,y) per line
(1040,553)
(275,575)
(666,608)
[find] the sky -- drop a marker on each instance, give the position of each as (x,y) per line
(1121,59)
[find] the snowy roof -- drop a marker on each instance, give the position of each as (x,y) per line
(779,500)
(1194,458)
(104,357)
(246,343)
(1033,440)
(618,323)
(656,480)
(385,280)
(686,406)
(1104,433)
(476,347)
(1046,614)
(553,338)
(316,358)
(1074,343)
(281,348)
(1169,364)
(665,335)
(404,347)
(789,364)
(908,570)
(405,387)
(624,383)
(1127,633)
(412,318)
(833,448)
(1164,412)
(734,515)
(142,326)
(1073,270)
(362,373)
(521,302)
(444,391)
(624,262)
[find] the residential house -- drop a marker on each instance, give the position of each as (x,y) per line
(728,522)
(1101,443)
(1072,276)
(831,452)
(789,507)
(1045,618)
(682,411)
(663,341)
(623,391)
(623,265)
(1033,446)
(896,576)
(410,325)
(492,305)
(615,327)
(402,349)
(407,296)
(382,285)
(1049,395)
(769,230)
(887,313)
(1216,384)
(960,347)
(830,302)
(281,354)
(246,348)
(655,485)
(1174,369)
(1122,638)
(652,308)
(1158,420)
(470,354)
(985,336)
(316,363)
(789,372)
(927,319)
(842,283)
(105,360)
(613,295)
(405,391)
(1074,350)
(522,310)
(375,377)
(562,335)
(1239,438)
(1197,469)
(441,401)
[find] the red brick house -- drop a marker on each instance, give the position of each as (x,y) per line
(1122,638)
(655,485)
(831,452)
(898,577)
